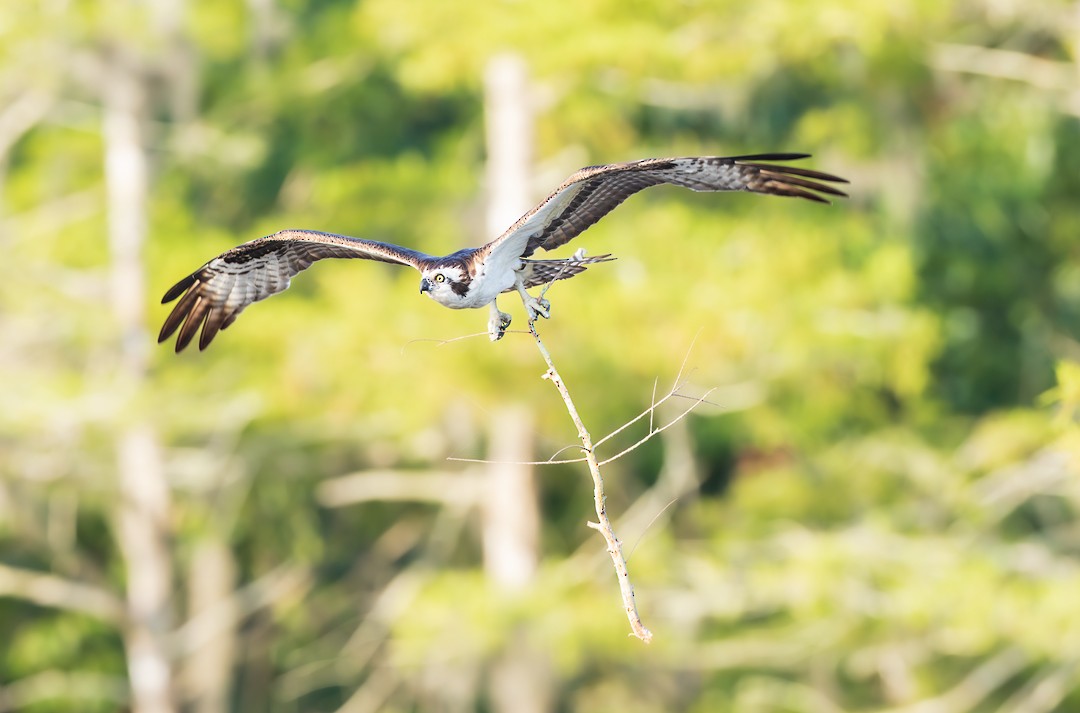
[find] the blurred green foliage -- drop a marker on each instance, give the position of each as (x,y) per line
(889,511)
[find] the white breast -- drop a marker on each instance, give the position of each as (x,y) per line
(493,280)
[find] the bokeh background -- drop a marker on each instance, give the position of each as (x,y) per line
(878,509)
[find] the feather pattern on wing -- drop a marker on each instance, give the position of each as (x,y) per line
(593,192)
(541,272)
(214,295)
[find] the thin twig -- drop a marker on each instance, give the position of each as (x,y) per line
(702,400)
(551,458)
(485,461)
(653,430)
(647,412)
(654,404)
(659,429)
(651,522)
(444,342)
(652,400)
(603,526)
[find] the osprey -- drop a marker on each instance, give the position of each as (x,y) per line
(214,295)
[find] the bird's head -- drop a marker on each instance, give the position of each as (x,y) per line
(446,285)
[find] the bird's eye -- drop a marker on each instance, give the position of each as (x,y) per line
(440,278)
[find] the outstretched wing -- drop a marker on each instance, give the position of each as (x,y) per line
(593,192)
(216,293)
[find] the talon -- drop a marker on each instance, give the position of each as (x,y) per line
(538,308)
(533,307)
(498,325)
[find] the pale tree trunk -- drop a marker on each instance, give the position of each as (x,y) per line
(142,512)
(211,582)
(264,27)
(509,136)
(520,680)
(511,511)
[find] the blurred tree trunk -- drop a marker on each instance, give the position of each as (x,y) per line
(511,511)
(511,520)
(142,512)
(211,582)
(520,681)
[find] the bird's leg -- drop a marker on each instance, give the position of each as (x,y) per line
(497,323)
(533,305)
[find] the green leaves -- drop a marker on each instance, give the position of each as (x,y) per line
(886,504)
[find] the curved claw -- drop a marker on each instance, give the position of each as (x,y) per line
(533,307)
(538,308)
(498,324)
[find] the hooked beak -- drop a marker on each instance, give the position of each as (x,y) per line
(425,285)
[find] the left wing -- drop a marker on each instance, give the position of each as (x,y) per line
(593,192)
(213,296)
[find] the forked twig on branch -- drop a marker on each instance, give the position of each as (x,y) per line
(603,524)
(653,430)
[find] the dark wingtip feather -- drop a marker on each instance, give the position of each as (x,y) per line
(179,288)
(166,331)
(214,320)
(771,157)
(191,324)
(786,189)
(231,317)
(182,309)
(791,180)
(796,171)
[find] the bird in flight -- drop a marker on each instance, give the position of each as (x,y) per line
(214,295)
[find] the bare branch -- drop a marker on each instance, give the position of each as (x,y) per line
(444,342)
(550,461)
(686,358)
(647,412)
(48,590)
(603,526)
(654,404)
(651,522)
(1005,64)
(1045,74)
(571,446)
(653,431)
(426,486)
(659,429)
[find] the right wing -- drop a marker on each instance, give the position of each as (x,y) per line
(594,191)
(216,293)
